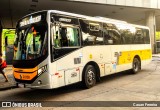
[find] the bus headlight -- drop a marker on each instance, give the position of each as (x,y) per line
(42,70)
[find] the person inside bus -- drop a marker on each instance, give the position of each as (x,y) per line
(64,39)
(23,47)
(57,41)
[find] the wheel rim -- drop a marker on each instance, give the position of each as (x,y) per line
(136,66)
(90,77)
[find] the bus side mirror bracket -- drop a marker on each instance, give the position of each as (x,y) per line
(52,19)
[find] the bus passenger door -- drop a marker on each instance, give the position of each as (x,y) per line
(66,51)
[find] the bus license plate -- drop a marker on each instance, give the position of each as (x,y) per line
(25,77)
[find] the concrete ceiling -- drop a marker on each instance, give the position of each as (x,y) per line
(12,10)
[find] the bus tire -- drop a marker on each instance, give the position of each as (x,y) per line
(136,65)
(89,77)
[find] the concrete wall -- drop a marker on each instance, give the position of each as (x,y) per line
(134,3)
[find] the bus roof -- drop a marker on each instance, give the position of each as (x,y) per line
(97,18)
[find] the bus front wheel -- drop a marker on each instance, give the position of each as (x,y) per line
(136,65)
(89,77)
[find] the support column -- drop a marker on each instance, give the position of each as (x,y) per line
(151,23)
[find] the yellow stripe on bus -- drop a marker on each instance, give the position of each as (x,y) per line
(127,56)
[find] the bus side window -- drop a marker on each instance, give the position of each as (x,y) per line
(69,36)
(73,36)
(139,37)
(91,32)
(146,36)
(107,38)
(127,36)
(111,34)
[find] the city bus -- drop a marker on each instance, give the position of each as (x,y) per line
(53,49)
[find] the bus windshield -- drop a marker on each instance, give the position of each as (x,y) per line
(30,42)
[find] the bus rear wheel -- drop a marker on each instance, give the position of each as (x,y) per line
(136,65)
(89,77)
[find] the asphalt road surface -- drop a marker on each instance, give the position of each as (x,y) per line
(143,86)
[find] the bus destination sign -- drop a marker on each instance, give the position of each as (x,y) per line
(30,20)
